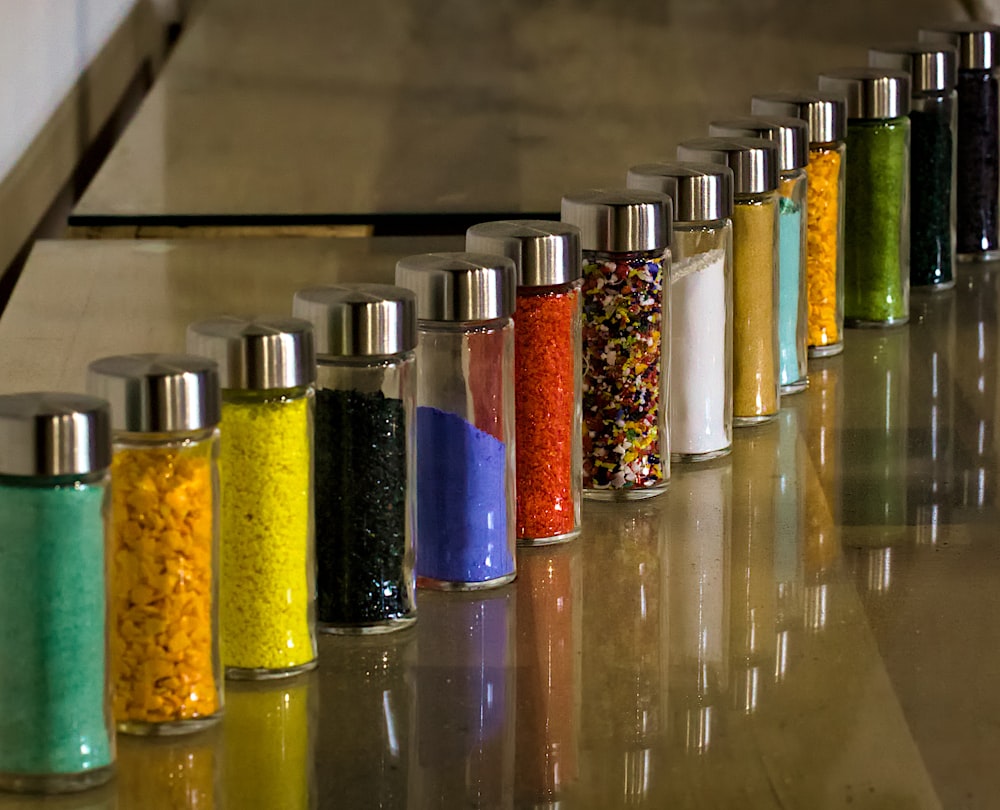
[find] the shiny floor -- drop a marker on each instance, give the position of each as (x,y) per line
(811,622)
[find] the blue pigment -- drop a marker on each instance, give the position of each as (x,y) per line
(789,288)
(461,501)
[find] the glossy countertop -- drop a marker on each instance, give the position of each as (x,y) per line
(415,115)
(811,622)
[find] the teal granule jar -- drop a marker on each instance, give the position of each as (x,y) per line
(55,727)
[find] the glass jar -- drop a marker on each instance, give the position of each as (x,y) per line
(756,360)
(56,733)
(877,243)
(701,307)
(977,168)
(465,418)
(547,355)
(165,664)
(790,135)
(365,454)
(625,236)
(826,118)
(933,122)
(266,369)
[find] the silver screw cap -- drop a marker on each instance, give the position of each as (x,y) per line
(359,319)
(258,353)
(932,65)
(699,192)
(790,134)
(48,434)
(754,161)
(824,113)
(157,393)
(978,44)
(872,93)
(620,221)
(545,253)
(461,287)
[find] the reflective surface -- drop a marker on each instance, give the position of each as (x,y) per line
(389,110)
(810,622)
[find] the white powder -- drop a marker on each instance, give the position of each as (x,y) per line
(698,355)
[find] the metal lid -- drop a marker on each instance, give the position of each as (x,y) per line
(46,434)
(700,192)
(359,319)
(824,113)
(157,393)
(257,353)
(791,134)
(931,65)
(460,287)
(544,252)
(754,161)
(871,92)
(620,220)
(978,43)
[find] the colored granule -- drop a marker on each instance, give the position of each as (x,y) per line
(823,211)
(265,466)
(162,666)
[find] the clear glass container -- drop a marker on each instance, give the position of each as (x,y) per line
(56,732)
(793,301)
(165,666)
(827,172)
(364,454)
(466,507)
(701,341)
(267,367)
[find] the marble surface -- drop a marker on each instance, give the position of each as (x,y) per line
(420,115)
(808,623)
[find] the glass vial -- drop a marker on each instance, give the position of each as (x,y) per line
(756,360)
(977,169)
(56,733)
(365,454)
(165,664)
(547,367)
(700,415)
(466,507)
(266,369)
(791,136)
(826,117)
(933,121)
(877,242)
(625,237)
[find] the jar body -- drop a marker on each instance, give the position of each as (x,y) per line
(56,732)
(266,621)
(877,250)
(755,309)
(825,253)
(466,513)
(978,165)
(626,357)
(364,493)
(547,365)
(165,662)
(933,121)
(793,307)
(701,341)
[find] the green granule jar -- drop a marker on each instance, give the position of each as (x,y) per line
(55,730)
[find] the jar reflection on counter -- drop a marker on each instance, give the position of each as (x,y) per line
(756,358)
(365,455)
(165,665)
(625,237)
(700,418)
(167,773)
(56,734)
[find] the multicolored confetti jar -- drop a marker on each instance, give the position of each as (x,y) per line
(977,169)
(701,305)
(165,667)
(791,136)
(365,454)
(625,236)
(826,118)
(56,733)
(466,509)
(877,236)
(756,357)
(546,372)
(266,367)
